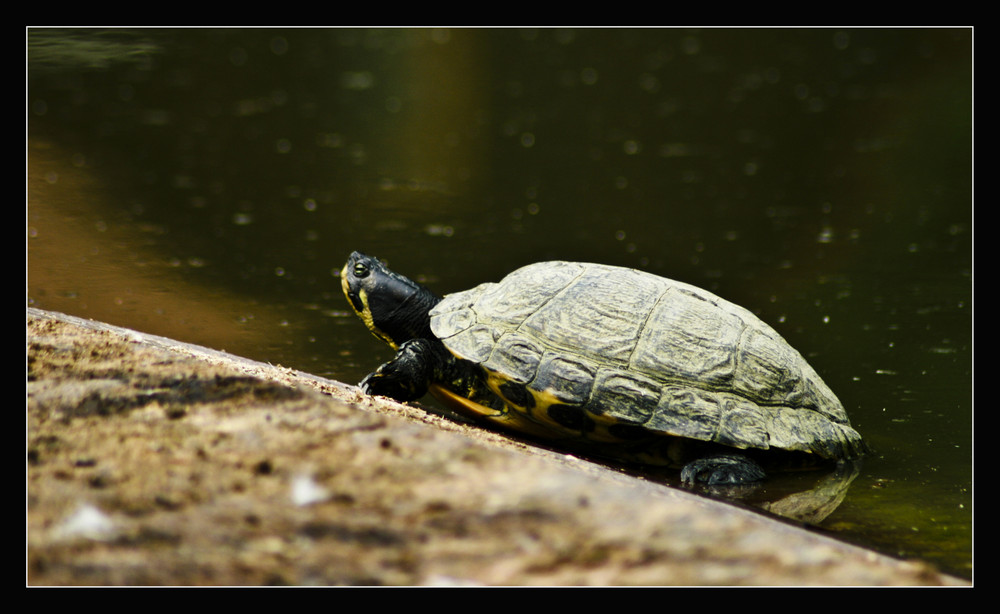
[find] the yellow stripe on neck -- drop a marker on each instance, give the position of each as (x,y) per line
(366,317)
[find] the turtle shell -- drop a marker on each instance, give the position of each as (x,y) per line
(610,353)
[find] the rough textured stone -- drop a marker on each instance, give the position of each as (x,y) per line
(154,462)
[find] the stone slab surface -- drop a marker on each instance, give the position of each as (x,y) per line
(152,462)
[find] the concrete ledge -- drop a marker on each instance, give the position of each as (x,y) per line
(153,462)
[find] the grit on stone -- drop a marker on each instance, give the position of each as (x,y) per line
(151,462)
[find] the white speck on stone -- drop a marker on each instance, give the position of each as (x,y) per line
(305,491)
(87,521)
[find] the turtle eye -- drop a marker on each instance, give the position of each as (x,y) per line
(361,270)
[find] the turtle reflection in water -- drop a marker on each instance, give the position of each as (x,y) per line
(631,365)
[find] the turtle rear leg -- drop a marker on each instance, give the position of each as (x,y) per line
(406,376)
(722,469)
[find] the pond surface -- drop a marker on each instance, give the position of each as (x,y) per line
(208,185)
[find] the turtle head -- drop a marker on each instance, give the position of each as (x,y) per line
(394,308)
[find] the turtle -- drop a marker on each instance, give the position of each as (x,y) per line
(622,362)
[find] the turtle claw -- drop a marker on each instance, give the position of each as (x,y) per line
(389,385)
(404,378)
(722,469)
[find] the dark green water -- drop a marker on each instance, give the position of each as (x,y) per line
(206,184)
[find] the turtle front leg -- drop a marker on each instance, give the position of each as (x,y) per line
(405,377)
(722,469)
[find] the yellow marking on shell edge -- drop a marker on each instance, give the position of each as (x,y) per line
(509,418)
(535,421)
(544,399)
(667,454)
(538,417)
(517,419)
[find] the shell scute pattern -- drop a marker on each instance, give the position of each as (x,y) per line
(577,345)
